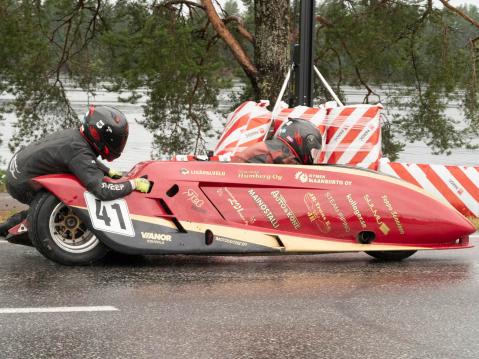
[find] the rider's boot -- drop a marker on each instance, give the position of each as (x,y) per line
(11,222)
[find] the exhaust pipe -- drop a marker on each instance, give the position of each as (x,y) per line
(366,237)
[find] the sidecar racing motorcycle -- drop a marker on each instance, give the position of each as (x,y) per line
(241,209)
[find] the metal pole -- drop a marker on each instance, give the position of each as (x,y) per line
(304,62)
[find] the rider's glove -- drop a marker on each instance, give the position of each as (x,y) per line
(140,184)
(115,174)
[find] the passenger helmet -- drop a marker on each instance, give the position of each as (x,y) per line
(106,130)
(301,137)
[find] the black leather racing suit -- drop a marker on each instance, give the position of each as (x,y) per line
(62,152)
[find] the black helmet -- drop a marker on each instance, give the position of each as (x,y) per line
(106,129)
(301,137)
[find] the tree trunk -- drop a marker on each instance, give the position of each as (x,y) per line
(272,47)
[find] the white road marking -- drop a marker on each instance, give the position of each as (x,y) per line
(3,241)
(57,309)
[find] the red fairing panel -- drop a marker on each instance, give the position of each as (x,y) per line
(71,192)
(315,202)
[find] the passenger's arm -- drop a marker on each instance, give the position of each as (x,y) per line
(102,167)
(84,166)
(110,172)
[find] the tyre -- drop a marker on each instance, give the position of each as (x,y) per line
(59,234)
(391,255)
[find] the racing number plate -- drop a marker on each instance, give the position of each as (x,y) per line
(110,216)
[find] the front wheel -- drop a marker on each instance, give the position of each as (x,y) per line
(391,255)
(60,235)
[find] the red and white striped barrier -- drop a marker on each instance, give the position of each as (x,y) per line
(353,136)
(457,185)
(351,133)
(248,124)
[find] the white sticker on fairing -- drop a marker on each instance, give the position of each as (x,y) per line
(110,216)
(22,229)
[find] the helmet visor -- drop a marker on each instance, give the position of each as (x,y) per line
(116,147)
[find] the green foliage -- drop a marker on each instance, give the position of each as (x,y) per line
(166,54)
(130,45)
(35,49)
(425,53)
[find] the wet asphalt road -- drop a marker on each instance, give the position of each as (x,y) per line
(323,306)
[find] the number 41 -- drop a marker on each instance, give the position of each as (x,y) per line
(102,213)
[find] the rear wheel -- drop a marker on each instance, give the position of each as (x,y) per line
(391,255)
(60,235)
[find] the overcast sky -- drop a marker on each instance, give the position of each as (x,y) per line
(460,2)
(452,2)
(436,2)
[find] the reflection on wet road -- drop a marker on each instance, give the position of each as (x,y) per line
(325,306)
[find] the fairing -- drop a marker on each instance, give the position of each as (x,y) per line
(208,207)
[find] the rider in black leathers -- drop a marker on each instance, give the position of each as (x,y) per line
(104,133)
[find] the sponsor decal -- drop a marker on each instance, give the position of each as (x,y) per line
(364,136)
(304,177)
(13,168)
(383,227)
(454,185)
(22,229)
(258,175)
(356,211)
(230,241)
(315,213)
(156,238)
(340,133)
(113,186)
(237,206)
(286,209)
(185,171)
(194,198)
(253,133)
(395,215)
(338,211)
(264,208)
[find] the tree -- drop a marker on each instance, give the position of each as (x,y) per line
(181,52)
(428,50)
(271,44)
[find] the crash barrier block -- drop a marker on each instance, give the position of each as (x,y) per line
(457,185)
(248,124)
(351,134)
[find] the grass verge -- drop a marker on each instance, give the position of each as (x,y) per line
(5,214)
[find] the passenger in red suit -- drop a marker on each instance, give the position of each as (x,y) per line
(295,142)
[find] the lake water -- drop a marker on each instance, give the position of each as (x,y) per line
(139,147)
